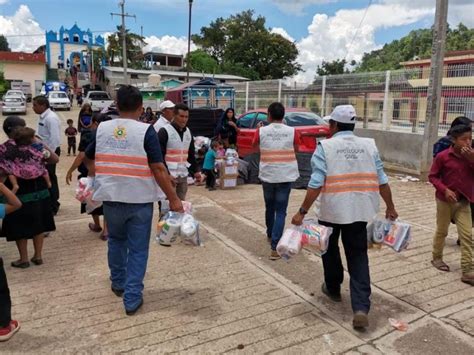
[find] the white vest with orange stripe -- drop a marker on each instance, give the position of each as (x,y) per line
(277,154)
(122,173)
(177,151)
(351,190)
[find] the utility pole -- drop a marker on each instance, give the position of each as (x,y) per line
(189,41)
(124,40)
(430,135)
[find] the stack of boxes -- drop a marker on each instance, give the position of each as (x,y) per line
(228,174)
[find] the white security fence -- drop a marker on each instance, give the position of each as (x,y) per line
(392,100)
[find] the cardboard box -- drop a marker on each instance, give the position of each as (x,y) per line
(228,182)
(229,170)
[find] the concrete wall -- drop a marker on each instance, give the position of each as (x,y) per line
(28,72)
(399,151)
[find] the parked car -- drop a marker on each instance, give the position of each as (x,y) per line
(309,128)
(59,99)
(13,104)
(98,100)
(15,93)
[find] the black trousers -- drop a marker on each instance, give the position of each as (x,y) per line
(5,301)
(71,145)
(54,190)
(354,240)
(210,178)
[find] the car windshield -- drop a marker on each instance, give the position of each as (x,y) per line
(296,119)
(99,96)
(13,99)
(14,93)
(58,95)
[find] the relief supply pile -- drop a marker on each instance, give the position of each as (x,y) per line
(229,170)
(173,225)
(84,192)
(395,234)
(310,235)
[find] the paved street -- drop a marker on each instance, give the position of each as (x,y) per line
(226,296)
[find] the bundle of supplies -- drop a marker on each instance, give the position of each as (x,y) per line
(84,192)
(395,234)
(174,224)
(310,234)
(229,170)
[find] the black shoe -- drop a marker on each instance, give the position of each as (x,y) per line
(336,297)
(118,292)
(133,311)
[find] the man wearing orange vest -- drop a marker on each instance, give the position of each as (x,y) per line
(129,177)
(348,175)
(278,169)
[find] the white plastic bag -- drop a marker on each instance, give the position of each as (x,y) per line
(316,237)
(189,231)
(169,230)
(290,242)
(84,193)
(395,234)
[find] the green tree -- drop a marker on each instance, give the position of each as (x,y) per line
(4,44)
(134,44)
(416,44)
(203,62)
(242,43)
(331,68)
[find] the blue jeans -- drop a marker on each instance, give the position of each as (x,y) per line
(129,227)
(276,202)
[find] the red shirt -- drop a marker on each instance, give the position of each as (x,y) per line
(454,172)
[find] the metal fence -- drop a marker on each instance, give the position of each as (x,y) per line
(391,100)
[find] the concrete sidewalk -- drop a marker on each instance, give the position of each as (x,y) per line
(227,297)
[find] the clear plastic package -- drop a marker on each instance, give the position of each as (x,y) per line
(290,242)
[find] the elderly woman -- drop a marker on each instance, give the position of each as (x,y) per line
(34,220)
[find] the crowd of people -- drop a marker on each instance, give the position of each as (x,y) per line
(136,159)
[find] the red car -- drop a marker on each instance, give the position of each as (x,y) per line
(308,128)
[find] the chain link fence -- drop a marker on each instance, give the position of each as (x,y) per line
(392,100)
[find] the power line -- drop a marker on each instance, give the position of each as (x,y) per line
(43,34)
(358,28)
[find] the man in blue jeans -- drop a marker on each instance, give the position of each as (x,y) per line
(278,169)
(129,177)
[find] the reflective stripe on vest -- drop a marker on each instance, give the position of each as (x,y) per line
(121,164)
(351,189)
(354,182)
(277,155)
(177,151)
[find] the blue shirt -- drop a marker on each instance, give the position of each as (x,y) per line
(320,169)
(2,211)
(209,160)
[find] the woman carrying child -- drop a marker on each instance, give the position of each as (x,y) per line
(34,220)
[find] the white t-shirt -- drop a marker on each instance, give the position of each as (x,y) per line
(49,129)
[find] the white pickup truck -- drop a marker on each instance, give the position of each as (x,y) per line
(98,100)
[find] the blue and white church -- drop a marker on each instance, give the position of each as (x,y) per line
(70,48)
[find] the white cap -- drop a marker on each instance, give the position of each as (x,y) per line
(344,114)
(166,104)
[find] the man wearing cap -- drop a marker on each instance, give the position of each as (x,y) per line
(166,108)
(348,175)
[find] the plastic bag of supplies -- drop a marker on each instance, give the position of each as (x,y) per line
(84,193)
(395,234)
(316,237)
(174,224)
(290,242)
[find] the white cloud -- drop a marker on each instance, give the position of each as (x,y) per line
(3,2)
(337,37)
(168,44)
(22,23)
(296,7)
(282,32)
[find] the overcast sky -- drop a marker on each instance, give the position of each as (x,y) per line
(322,29)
